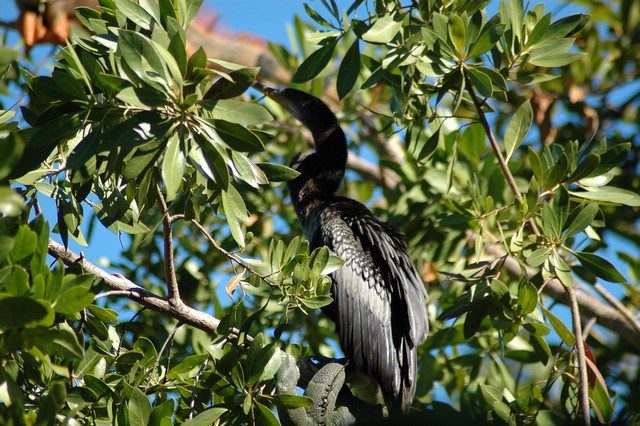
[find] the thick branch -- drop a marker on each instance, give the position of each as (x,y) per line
(181,312)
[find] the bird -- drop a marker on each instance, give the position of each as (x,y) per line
(379,299)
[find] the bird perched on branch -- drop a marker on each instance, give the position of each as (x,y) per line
(379,298)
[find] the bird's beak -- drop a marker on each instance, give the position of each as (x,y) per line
(277,96)
(269,91)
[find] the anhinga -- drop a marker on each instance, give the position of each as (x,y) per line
(379,298)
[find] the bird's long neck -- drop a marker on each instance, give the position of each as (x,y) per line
(321,172)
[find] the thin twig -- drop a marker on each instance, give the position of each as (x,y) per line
(192,402)
(168,341)
(169,267)
(582,363)
(214,243)
(497,151)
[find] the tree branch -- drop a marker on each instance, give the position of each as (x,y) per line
(181,312)
(169,269)
(582,361)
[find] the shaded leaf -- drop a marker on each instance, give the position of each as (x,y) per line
(278,172)
(600,267)
(349,70)
(582,220)
(315,63)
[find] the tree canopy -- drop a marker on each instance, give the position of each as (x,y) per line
(502,139)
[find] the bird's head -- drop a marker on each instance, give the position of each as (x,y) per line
(309,110)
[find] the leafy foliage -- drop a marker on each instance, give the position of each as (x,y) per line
(500,156)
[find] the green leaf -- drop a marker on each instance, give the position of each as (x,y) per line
(74,300)
(610,194)
(233,111)
(317,302)
(527,297)
(98,386)
(457,34)
(555,55)
(559,327)
(536,165)
(142,57)
(19,312)
(135,12)
(383,30)
(597,181)
(278,172)
(25,243)
(8,55)
(600,267)
(265,416)
(139,408)
(265,365)
(481,82)
(315,63)
(316,16)
(187,11)
(238,137)
(586,167)
(560,207)
(234,210)
(207,417)
(349,70)
(142,97)
(187,369)
(61,342)
(538,257)
(487,40)
(126,361)
(430,146)
(561,269)
(291,401)
(173,166)
(241,80)
(518,128)
(584,218)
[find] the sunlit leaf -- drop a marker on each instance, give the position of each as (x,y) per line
(173,166)
(518,128)
(383,30)
(560,328)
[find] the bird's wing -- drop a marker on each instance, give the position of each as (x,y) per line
(379,297)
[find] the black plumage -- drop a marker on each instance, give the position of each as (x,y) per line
(379,298)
